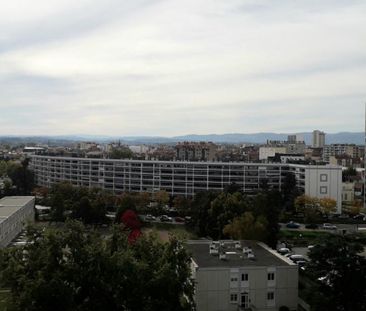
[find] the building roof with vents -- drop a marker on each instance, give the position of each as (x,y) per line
(235,254)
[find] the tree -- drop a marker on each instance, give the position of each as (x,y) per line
(342,271)
(3,168)
(57,208)
(224,208)
(268,205)
(356,208)
(142,201)
(349,174)
(125,202)
(121,153)
(327,206)
(21,177)
(182,205)
(161,197)
(247,227)
(290,192)
(75,269)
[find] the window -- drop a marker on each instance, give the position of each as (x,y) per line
(270,296)
(233,297)
(271,276)
(234,279)
(324,177)
(244,277)
(323,190)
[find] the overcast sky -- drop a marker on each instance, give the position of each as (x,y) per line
(171,67)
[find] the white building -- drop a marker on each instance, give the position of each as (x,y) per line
(14,214)
(350,150)
(245,275)
(318,139)
(185,178)
(269,152)
(348,192)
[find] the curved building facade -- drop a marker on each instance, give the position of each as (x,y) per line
(183,178)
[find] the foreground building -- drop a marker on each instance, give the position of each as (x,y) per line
(185,178)
(15,212)
(245,275)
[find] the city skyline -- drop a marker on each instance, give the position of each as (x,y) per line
(167,68)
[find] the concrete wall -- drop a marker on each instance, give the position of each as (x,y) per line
(14,224)
(214,287)
(324,182)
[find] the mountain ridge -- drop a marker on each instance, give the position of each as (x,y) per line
(233,138)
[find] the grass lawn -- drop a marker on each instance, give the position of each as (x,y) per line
(302,238)
(164,231)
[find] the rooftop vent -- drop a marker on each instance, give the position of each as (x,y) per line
(247,250)
(214,248)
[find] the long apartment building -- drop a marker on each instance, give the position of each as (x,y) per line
(184,178)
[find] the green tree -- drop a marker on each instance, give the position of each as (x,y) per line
(290,192)
(224,208)
(121,153)
(79,270)
(21,177)
(349,174)
(336,261)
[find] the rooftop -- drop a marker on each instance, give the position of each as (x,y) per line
(234,254)
(9,205)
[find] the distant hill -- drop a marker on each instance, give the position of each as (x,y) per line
(255,138)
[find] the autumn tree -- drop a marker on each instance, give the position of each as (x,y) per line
(247,227)
(161,197)
(327,206)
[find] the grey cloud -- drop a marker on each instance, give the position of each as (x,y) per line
(69,23)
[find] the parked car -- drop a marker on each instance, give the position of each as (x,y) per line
(283,251)
(150,217)
(311,226)
(188,218)
(292,225)
(360,217)
(165,218)
(295,258)
(179,219)
(328,226)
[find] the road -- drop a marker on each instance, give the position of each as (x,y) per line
(348,227)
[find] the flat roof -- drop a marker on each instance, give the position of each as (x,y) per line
(187,162)
(235,257)
(9,205)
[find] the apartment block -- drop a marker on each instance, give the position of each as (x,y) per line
(350,150)
(242,275)
(184,178)
(196,151)
(318,139)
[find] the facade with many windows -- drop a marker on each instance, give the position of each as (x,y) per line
(184,178)
(242,275)
(15,212)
